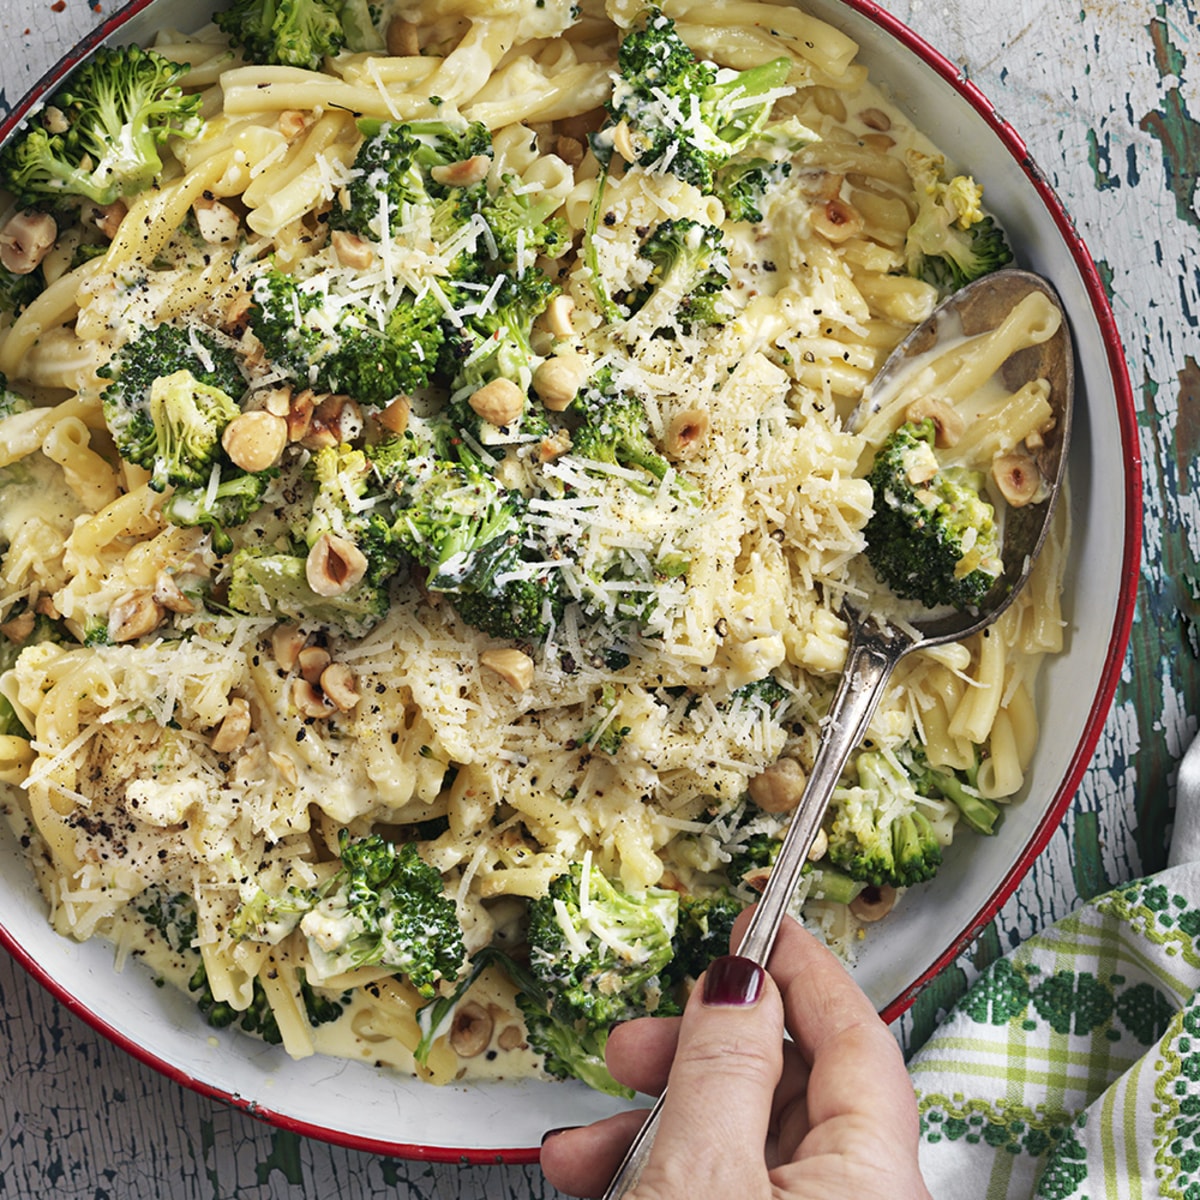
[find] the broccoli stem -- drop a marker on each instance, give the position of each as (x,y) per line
(608,309)
(831,884)
(979,813)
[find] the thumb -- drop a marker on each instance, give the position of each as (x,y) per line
(718,1108)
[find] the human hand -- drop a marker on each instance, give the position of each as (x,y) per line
(831,1114)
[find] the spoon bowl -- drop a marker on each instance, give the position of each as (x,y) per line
(878,642)
(976,309)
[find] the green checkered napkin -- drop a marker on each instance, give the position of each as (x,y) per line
(1071,1070)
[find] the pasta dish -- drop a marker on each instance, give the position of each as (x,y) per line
(431,469)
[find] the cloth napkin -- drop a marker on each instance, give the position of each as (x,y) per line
(1071,1069)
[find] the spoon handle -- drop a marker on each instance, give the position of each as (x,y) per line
(875,649)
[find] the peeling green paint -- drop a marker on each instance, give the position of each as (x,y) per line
(936,999)
(208,1156)
(1168,58)
(1087,861)
(1187,426)
(1173,126)
(1100,160)
(987,948)
(1166,604)
(284,1158)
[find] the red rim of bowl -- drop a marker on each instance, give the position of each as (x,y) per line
(1110,675)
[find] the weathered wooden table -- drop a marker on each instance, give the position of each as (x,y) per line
(1106,94)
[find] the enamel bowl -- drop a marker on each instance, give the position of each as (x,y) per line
(352,1104)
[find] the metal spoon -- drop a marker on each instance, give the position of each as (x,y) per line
(876,643)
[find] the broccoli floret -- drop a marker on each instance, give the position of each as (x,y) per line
(221,1014)
(266,917)
(521,608)
(269,583)
(18,292)
(374,364)
(396,456)
(688,117)
(393,169)
(766,692)
(95,632)
(385,180)
(493,342)
(614,428)
(569,1049)
(598,950)
(638,581)
(188,418)
(24,628)
(237,496)
(278,319)
(740,187)
(293,33)
(879,833)
(401,460)
(934,540)
(959,787)
(703,933)
(157,352)
(350,502)
(597,955)
(691,270)
(653,58)
(360,21)
(453,516)
(606,734)
(952,241)
(758,852)
(117,109)
(470,534)
(610,428)
(522,223)
(322,1006)
(413,334)
(386,906)
(171,914)
(351,351)
(449,217)
(609,739)
(258,1017)
(11,402)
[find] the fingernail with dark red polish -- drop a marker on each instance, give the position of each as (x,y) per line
(732,982)
(554,1132)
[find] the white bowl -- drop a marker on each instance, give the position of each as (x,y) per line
(356,1106)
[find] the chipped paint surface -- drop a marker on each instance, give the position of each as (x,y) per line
(1106,93)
